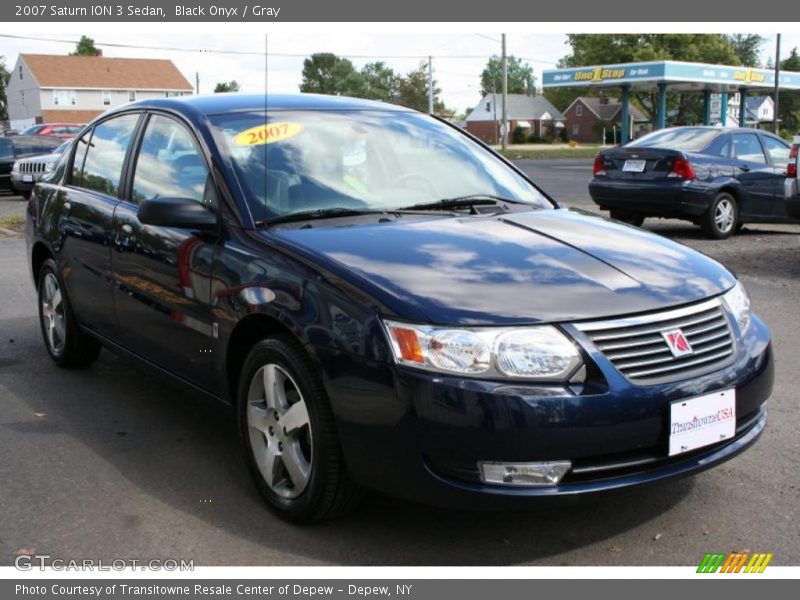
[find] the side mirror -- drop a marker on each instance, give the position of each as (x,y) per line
(182,213)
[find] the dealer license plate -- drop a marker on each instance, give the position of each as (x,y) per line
(701,421)
(27,178)
(634,166)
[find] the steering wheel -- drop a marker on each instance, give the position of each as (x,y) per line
(397,181)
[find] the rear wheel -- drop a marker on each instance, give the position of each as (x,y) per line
(722,217)
(287,429)
(629,218)
(65,342)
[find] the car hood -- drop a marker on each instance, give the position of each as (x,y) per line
(528,267)
(39,158)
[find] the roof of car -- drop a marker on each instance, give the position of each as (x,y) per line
(234,102)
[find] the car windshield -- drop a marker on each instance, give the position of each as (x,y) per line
(302,161)
(687,139)
(32,130)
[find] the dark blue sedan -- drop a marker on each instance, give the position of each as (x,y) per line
(387,304)
(717,178)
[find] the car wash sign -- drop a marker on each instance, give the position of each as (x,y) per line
(678,75)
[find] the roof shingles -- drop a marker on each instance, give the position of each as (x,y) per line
(99,72)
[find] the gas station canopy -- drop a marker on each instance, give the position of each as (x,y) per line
(660,76)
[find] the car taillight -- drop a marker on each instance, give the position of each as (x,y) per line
(791,170)
(682,169)
(599,166)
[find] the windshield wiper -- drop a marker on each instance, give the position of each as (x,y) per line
(466,201)
(318,213)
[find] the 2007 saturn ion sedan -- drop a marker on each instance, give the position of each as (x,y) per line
(390,305)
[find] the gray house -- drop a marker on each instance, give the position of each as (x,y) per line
(534,113)
(74,89)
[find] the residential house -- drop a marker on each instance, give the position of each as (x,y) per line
(588,116)
(760,111)
(75,89)
(533,113)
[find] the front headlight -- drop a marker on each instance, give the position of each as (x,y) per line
(15,167)
(540,353)
(48,166)
(738,302)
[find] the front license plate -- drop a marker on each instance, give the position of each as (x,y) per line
(701,421)
(27,178)
(634,166)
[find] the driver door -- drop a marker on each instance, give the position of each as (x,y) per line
(163,274)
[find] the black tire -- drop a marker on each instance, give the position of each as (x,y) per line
(328,491)
(722,218)
(629,218)
(74,348)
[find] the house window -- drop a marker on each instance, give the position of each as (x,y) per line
(64,97)
(20,71)
(488,107)
(106,98)
(132,96)
(579,110)
(576,129)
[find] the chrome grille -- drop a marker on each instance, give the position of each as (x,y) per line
(637,348)
(31,167)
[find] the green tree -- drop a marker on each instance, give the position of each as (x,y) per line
(413,91)
(227,86)
(519,75)
(85,47)
(789,101)
(326,73)
(5,76)
(747,47)
(379,82)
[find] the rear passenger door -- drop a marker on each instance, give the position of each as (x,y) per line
(778,154)
(163,274)
(755,174)
(87,206)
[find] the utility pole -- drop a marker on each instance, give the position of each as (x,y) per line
(777,76)
(505,96)
(430,85)
(197,83)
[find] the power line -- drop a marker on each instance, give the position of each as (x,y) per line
(258,53)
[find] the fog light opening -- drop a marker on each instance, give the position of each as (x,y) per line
(532,474)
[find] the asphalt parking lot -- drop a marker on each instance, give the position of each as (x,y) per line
(113,462)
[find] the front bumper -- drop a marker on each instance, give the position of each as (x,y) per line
(420,436)
(679,199)
(17,181)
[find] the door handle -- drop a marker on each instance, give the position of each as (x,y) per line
(744,168)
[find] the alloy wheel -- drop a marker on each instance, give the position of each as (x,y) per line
(53,317)
(280,431)
(724,215)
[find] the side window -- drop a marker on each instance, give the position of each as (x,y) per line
(747,147)
(80,154)
(102,168)
(169,164)
(778,151)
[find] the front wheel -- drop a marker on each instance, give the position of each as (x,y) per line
(287,429)
(722,217)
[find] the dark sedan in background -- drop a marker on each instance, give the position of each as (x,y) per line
(716,178)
